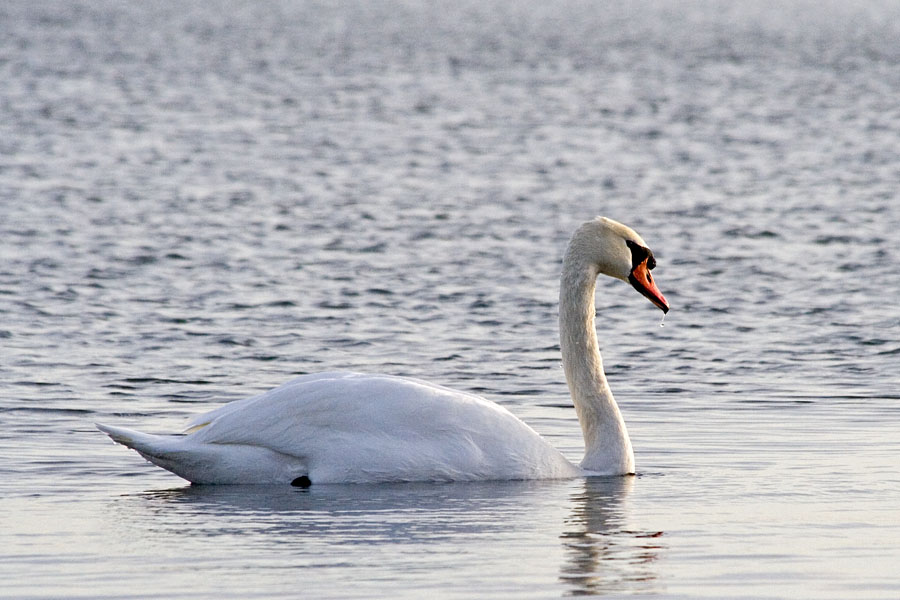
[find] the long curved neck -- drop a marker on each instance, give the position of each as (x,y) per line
(607,448)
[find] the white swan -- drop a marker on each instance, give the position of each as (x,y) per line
(348,427)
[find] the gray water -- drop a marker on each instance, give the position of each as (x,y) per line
(199,201)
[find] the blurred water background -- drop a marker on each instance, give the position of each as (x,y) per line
(200,200)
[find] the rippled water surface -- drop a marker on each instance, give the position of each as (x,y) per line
(199,201)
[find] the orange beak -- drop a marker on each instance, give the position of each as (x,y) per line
(642,281)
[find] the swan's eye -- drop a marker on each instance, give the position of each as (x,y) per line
(639,254)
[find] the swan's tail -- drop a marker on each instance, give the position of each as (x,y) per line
(145,444)
(200,462)
(161,450)
(173,453)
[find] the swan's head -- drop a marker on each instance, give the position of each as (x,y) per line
(618,251)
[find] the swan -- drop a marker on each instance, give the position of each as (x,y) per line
(342,427)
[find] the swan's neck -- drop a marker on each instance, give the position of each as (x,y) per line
(607,449)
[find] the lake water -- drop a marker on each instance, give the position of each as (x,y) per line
(199,201)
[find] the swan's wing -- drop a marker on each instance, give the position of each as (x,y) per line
(353,427)
(342,402)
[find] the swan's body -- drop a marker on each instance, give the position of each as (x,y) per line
(349,427)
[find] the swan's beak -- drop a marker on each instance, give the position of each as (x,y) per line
(642,281)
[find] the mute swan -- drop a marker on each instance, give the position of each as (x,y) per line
(348,427)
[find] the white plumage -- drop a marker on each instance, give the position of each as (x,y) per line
(340,427)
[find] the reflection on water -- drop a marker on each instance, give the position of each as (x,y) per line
(404,512)
(602,551)
(603,554)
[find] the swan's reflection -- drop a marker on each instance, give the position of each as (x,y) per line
(349,514)
(497,532)
(603,554)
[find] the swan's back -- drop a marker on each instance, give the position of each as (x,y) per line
(347,427)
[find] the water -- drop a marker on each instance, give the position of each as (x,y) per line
(199,201)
